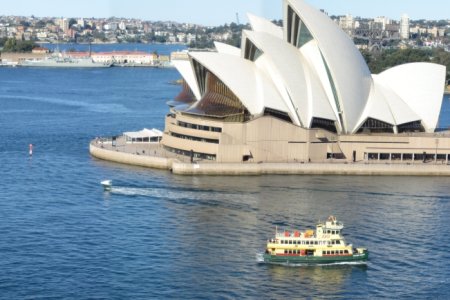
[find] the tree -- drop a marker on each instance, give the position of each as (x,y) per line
(379,62)
(72,22)
(40,24)
(13,45)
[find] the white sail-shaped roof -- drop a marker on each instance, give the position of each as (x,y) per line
(187,72)
(317,73)
(421,86)
(348,70)
(299,85)
(253,88)
(259,24)
(227,49)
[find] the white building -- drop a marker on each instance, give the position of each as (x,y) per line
(63,24)
(301,92)
(404,27)
(81,22)
(347,24)
(112,26)
(382,20)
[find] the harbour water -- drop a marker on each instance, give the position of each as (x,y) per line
(156,235)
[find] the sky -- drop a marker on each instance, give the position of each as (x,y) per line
(213,12)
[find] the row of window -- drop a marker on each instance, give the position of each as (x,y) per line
(302,242)
(192,154)
(294,252)
(332,231)
(407,156)
(145,139)
(194,138)
(328,252)
(335,252)
(199,127)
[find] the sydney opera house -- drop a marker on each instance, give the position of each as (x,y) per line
(303,93)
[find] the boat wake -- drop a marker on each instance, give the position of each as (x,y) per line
(260,257)
(129,191)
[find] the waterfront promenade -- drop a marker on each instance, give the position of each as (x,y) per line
(155,156)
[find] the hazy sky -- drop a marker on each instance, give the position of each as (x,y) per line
(213,12)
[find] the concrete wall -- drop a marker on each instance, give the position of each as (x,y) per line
(130,159)
(267,139)
(310,169)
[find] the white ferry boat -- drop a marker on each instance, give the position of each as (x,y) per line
(324,245)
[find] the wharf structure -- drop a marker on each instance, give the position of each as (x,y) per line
(300,99)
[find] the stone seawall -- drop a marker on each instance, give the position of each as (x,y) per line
(130,159)
(182,168)
(312,169)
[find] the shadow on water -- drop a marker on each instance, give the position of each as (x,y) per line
(316,280)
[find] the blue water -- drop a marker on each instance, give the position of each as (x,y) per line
(160,236)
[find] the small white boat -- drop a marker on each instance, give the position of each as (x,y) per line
(107,185)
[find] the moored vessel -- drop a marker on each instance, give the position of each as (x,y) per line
(64,62)
(324,245)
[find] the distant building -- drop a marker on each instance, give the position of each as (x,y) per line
(383,21)
(404,27)
(63,24)
(40,50)
(347,24)
(126,57)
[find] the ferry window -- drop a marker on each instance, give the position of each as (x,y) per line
(307,242)
(282,241)
(332,242)
(285,252)
(316,243)
(332,252)
(290,242)
(338,242)
(346,251)
(341,252)
(328,252)
(333,232)
(324,252)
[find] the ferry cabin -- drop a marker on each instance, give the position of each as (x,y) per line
(325,242)
(290,245)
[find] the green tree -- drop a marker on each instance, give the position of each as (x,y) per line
(379,62)
(72,22)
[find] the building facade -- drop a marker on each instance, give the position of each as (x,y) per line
(303,93)
(404,27)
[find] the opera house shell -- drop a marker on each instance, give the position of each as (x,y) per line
(302,92)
